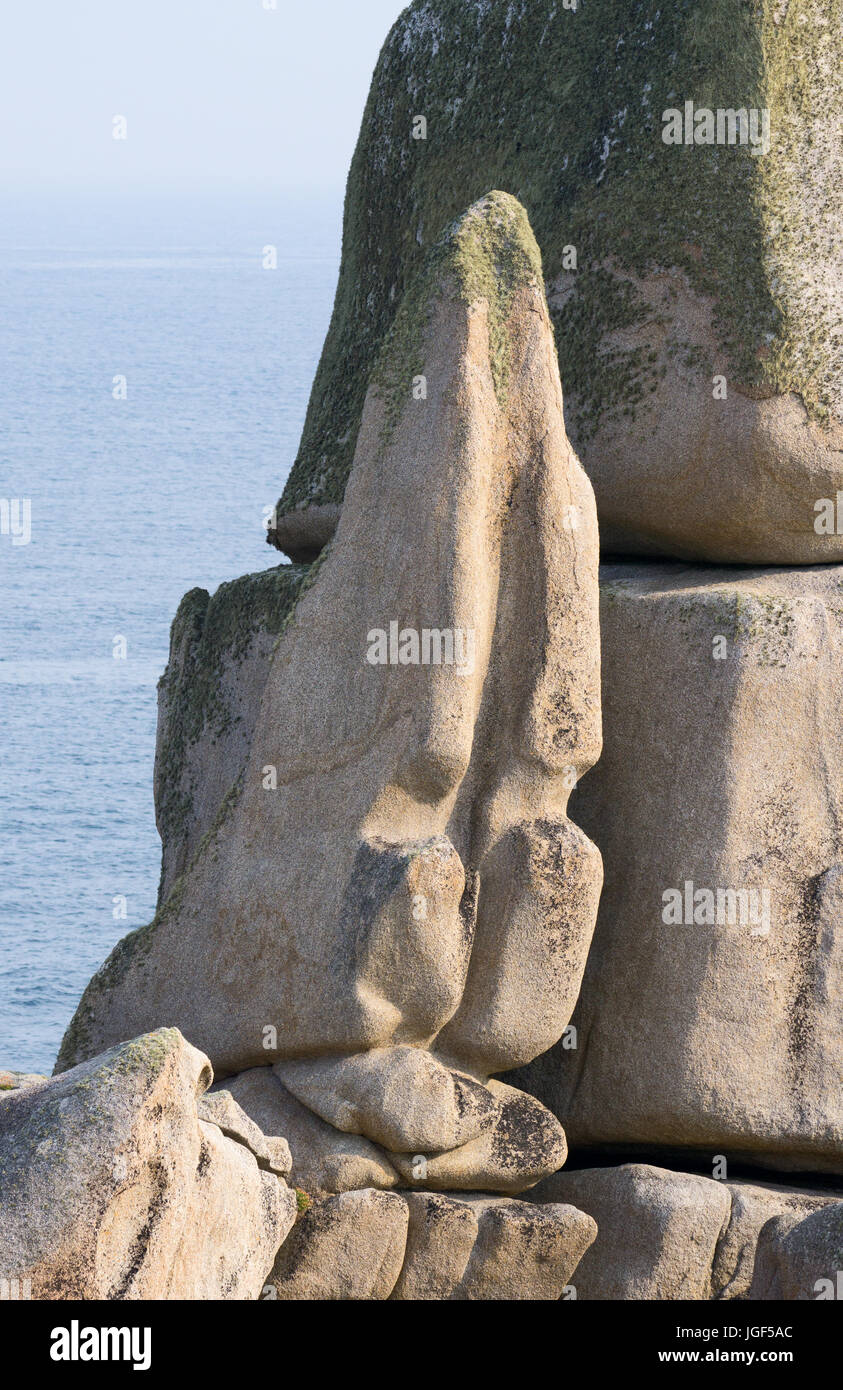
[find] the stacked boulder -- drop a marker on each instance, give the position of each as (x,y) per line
(389,906)
(683,169)
(711,1016)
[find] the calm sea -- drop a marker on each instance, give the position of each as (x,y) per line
(133,501)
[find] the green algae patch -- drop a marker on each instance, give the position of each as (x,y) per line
(147,1054)
(211,636)
(486,255)
(563,110)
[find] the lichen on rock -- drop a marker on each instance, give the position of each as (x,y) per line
(220,647)
(485,255)
(562,108)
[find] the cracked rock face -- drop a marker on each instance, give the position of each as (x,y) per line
(392,905)
(118,1181)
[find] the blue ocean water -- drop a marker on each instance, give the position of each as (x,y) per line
(133,501)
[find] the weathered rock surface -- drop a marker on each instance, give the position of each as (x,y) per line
(801,1259)
(348,1247)
(401,1097)
(525,1144)
(112,1187)
(208,700)
(441,1234)
(524,1251)
(368,1245)
(722,769)
(18,1080)
(487,1248)
(221,1109)
(394,870)
(754,1205)
(324,1159)
(664,1235)
(669,267)
(521,1142)
(657,1231)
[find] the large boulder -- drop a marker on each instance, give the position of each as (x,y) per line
(696,287)
(755,1205)
(113,1187)
(348,1247)
(394,872)
(468,1249)
(665,1235)
(709,1018)
(657,1232)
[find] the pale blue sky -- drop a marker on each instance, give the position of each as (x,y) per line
(212,90)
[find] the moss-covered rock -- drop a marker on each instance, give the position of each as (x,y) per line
(484,256)
(221,647)
(208,697)
(689,261)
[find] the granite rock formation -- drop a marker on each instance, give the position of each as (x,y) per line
(374,912)
(800,1257)
(675,272)
(420,1246)
(672,1236)
(390,904)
